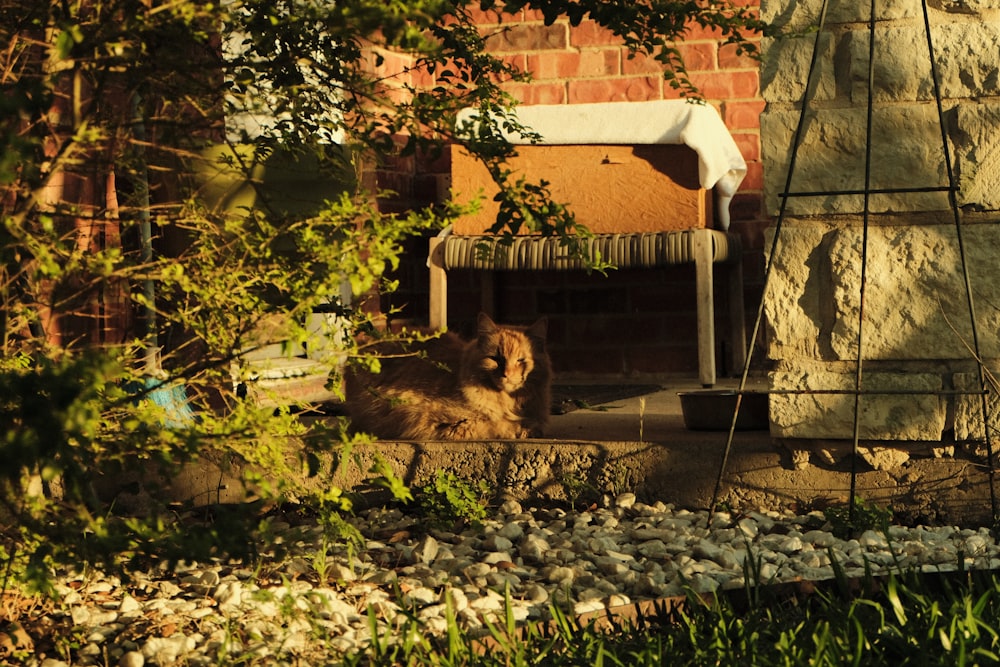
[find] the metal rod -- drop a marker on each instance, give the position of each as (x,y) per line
(951,189)
(874,191)
(965,267)
(796,143)
(864,264)
(873,392)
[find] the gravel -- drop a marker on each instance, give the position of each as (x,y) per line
(313,606)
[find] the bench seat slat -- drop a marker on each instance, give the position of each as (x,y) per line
(537,253)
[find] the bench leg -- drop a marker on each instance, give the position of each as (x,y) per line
(737,316)
(438,316)
(705,295)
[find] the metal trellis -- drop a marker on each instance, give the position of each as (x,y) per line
(951,189)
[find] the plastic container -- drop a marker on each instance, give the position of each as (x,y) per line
(712,410)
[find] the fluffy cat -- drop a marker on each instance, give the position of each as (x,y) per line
(497,386)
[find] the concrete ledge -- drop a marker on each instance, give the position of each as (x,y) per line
(671,464)
(759,475)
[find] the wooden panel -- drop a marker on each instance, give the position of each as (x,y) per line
(610,188)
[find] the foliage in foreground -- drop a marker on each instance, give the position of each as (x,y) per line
(182,182)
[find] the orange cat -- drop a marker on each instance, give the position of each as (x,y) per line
(497,386)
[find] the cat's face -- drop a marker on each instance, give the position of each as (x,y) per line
(506,361)
(507,355)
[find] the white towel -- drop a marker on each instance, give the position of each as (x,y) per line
(720,164)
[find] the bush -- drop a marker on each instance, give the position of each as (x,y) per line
(176,179)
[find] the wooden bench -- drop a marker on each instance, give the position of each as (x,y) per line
(646,204)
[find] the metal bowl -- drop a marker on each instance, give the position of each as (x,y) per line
(712,410)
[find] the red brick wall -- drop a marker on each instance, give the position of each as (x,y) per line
(635,323)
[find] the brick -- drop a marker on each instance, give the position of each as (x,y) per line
(434,162)
(573,64)
(427,188)
(751,231)
(518,61)
(538,93)
(395,94)
(624,89)
(392,64)
(639,63)
(697,57)
(589,33)
(749,145)
(489,17)
(421,77)
(747,206)
(399,183)
(463,281)
(672,92)
(727,85)
(397,163)
(754,180)
(694,32)
(729,59)
(521,37)
(700,56)
(742,115)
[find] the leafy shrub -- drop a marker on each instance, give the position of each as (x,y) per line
(183,183)
(451,500)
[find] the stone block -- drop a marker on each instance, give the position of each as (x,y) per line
(792,302)
(785,65)
(914,294)
(906,153)
(896,416)
(964,69)
(977,155)
(969,407)
(902,61)
(799,15)
(902,65)
(976,6)
(915,301)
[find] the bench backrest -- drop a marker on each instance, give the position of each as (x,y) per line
(610,188)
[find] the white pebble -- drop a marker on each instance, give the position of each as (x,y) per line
(533,547)
(131,659)
(588,606)
(620,551)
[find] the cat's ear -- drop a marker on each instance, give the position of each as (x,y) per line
(539,329)
(485,326)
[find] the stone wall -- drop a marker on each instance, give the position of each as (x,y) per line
(916,331)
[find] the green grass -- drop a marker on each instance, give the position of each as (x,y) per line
(903,619)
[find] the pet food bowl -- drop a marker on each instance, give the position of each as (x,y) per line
(712,410)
